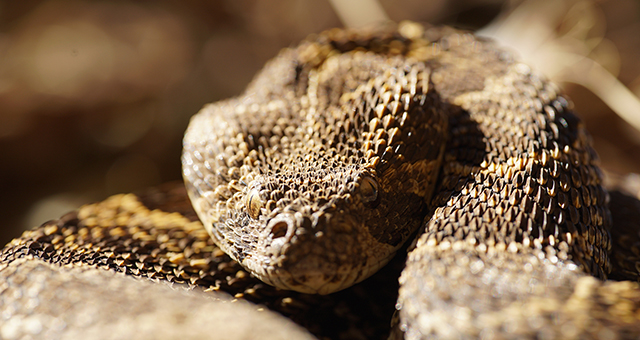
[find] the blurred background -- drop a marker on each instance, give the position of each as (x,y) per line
(95,95)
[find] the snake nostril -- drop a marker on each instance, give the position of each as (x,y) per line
(279,229)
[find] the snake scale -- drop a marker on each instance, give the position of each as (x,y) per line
(339,151)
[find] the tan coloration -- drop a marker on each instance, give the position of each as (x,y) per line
(521,193)
(153,237)
(361,311)
(519,188)
(332,158)
(512,295)
(379,106)
(321,170)
(502,294)
(81,303)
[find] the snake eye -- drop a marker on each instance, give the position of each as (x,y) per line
(254,203)
(369,189)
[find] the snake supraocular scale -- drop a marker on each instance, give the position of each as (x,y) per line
(346,145)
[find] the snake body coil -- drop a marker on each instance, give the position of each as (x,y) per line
(339,151)
(324,167)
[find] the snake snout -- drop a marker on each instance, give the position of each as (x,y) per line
(317,254)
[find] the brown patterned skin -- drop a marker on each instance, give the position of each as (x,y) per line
(457,290)
(316,175)
(155,237)
(391,129)
(45,301)
(321,171)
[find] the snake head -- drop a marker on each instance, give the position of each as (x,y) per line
(304,235)
(316,176)
(309,227)
(298,232)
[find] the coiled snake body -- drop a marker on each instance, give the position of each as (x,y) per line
(348,144)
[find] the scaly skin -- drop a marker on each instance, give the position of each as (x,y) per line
(344,147)
(316,175)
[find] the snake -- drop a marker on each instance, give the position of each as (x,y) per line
(404,173)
